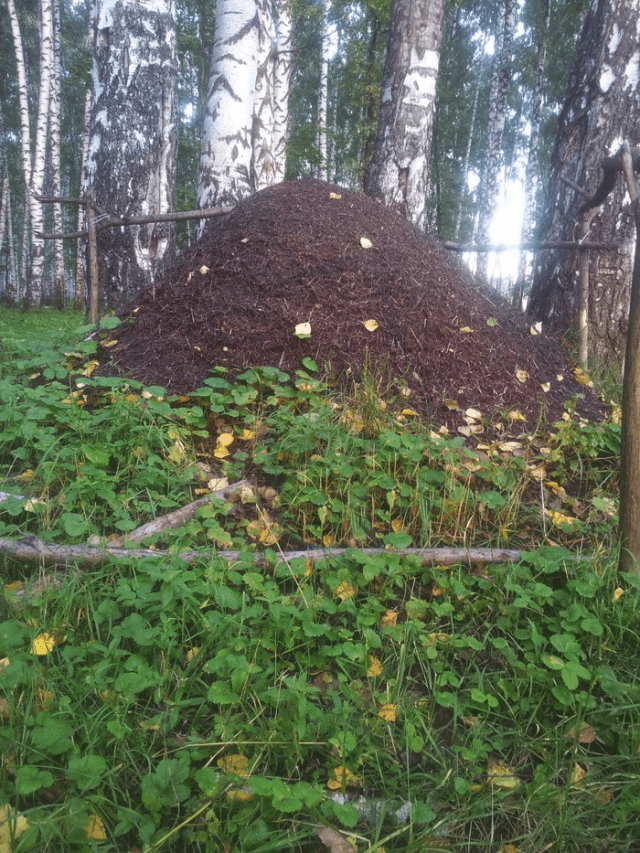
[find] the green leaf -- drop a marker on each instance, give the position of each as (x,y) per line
(310,364)
(74,524)
(30,779)
(87,771)
(221,694)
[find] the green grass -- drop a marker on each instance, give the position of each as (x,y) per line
(229,705)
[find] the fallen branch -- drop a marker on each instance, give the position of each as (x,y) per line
(181,516)
(533,247)
(35,551)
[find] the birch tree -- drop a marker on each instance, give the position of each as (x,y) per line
(282,88)
(33,169)
(264,107)
(133,140)
(600,110)
(225,172)
(399,174)
(54,110)
(323,97)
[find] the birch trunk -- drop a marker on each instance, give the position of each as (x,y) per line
(225,172)
(54,105)
(35,286)
(282,88)
(25,128)
(79,297)
(400,168)
(600,110)
(263,111)
(323,92)
(500,81)
(133,142)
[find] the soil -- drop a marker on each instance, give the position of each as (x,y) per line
(294,253)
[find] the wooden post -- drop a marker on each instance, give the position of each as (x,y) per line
(629,523)
(93,256)
(583,301)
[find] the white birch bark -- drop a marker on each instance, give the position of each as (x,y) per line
(224,175)
(54,118)
(282,88)
(35,285)
(263,110)
(79,300)
(323,94)
(133,140)
(25,126)
(400,168)
(12,279)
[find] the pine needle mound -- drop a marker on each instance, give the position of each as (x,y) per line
(309,252)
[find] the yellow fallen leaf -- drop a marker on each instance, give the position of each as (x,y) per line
(586,734)
(375,667)
(91,366)
(204,269)
(390,619)
(536,329)
(559,377)
(225,439)
(345,590)
(577,775)
(388,713)
(521,375)
(618,593)
(397,526)
(108,344)
(537,472)
(470,430)
(343,776)
(473,414)
(508,848)
(366,243)
(192,653)
(500,775)
(409,413)
(370,325)
(509,446)
(452,405)
(43,644)
(467,329)
(546,387)
(246,434)
(12,825)
(560,518)
(582,377)
(302,330)
(335,195)
(240,795)
(95,828)
(515,415)
(234,763)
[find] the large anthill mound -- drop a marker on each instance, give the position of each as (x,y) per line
(308,252)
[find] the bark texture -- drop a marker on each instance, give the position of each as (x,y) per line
(225,173)
(132,151)
(264,109)
(400,168)
(282,88)
(601,109)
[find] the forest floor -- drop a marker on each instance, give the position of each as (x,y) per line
(309,252)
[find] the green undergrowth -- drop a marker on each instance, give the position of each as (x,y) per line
(237,703)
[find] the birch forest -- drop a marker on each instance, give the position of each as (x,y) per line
(460,114)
